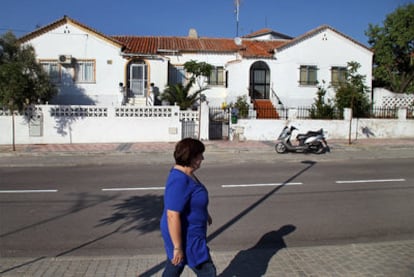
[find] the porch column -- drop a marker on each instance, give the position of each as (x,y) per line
(402,114)
(204,121)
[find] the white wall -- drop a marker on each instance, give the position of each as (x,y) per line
(163,123)
(68,39)
(239,78)
(156,68)
(334,129)
(324,50)
(385,98)
(216,95)
(96,125)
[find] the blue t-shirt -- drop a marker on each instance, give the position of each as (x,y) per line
(188,197)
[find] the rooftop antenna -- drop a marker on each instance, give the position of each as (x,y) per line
(237,3)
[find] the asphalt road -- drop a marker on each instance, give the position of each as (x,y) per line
(109,209)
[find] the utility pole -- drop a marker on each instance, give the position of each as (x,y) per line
(237,3)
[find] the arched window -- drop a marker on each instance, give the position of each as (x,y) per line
(259,80)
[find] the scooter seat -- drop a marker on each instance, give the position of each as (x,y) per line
(309,134)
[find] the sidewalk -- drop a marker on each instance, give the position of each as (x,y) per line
(365,259)
(139,147)
(360,259)
(216,151)
(212,146)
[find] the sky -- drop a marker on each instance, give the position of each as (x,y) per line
(212,18)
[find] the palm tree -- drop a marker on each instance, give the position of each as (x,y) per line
(180,95)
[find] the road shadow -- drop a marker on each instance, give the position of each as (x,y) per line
(82,202)
(308,165)
(254,261)
(137,213)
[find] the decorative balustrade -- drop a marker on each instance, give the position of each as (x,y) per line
(146,112)
(74,111)
(189,116)
(403,100)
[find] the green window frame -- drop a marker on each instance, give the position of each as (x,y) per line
(308,75)
(338,75)
(216,77)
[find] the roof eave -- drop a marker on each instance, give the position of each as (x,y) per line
(67,20)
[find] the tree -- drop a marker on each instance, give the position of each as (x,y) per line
(198,70)
(353,92)
(22,80)
(393,45)
(181,94)
(320,109)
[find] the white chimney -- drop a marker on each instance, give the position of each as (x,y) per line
(192,33)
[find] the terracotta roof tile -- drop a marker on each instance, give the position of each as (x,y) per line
(156,45)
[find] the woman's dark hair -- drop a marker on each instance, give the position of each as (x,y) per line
(186,150)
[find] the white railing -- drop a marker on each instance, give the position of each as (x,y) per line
(189,115)
(80,111)
(154,111)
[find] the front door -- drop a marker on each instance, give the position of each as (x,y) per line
(259,81)
(137,80)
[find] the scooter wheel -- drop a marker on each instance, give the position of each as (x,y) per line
(319,149)
(280,148)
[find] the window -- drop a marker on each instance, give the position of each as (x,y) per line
(338,75)
(308,75)
(216,77)
(52,69)
(176,75)
(85,71)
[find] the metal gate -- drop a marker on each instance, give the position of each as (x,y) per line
(189,124)
(189,129)
(219,123)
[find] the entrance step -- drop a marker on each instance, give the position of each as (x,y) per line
(265,109)
(138,101)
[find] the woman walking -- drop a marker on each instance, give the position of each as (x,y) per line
(185,216)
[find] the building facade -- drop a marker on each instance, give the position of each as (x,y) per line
(91,68)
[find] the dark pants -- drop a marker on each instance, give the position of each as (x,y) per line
(206,269)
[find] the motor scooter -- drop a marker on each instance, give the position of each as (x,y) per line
(310,142)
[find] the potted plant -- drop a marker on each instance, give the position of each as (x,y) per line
(241,106)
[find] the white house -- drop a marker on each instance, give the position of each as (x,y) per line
(85,65)
(93,68)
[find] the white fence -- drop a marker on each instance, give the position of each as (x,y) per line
(334,129)
(92,124)
(385,98)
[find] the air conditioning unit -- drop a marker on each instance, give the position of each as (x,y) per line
(65,59)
